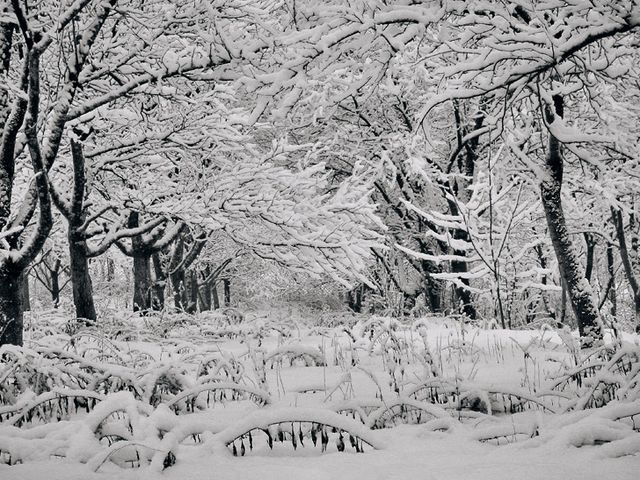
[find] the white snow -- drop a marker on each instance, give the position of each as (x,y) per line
(473,367)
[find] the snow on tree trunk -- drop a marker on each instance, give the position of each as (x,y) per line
(571,270)
(612,288)
(157,302)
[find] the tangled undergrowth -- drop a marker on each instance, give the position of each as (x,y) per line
(138,392)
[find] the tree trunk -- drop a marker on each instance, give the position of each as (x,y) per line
(227,291)
(578,288)
(214,296)
(543,264)
(177,275)
(157,302)
(466,166)
(463,295)
(79,263)
(433,290)
(178,282)
(563,302)
(204,294)
(612,288)
(355,298)
(25,294)
(193,292)
(81,283)
(55,287)
(10,306)
(142,283)
(111,270)
(591,250)
(627,263)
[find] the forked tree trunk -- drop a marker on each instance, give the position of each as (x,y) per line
(143,285)
(571,270)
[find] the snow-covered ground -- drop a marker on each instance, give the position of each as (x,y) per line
(430,399)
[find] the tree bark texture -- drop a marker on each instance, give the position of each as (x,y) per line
(81,283)
(226,283)
(571,270)
(11,314)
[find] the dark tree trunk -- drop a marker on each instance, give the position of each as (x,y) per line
(355,298)
(204,294)
(177,275)
(591,250)
(25,294)
(227,291)
(627,263)
(433,287)
(187,292)
(184,281)
(462,298)
(543,264)
(466,166)
(563,301)
(81,283)
(111,273)
(193,292)
(214,296)
(578,288)
(612,287)
(157,302)
(142,283)
(10,306)
(55,287)
(178,282)
(463,295)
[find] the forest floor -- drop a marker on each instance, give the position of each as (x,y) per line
(176,397)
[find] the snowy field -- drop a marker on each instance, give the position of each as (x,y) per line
(338,397)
